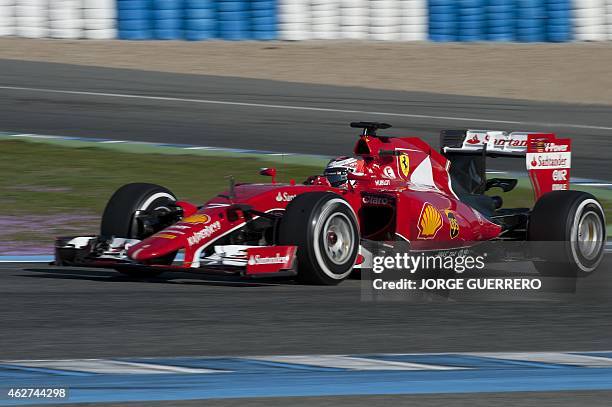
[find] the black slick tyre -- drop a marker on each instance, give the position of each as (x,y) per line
(568,230)
(119,217)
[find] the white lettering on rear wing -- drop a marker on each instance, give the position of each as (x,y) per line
(495,142)
(549,162)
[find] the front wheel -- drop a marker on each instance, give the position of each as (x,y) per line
(569,231)
(324,227)
(120,217)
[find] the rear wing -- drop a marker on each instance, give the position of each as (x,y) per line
(547,158)
(490,142)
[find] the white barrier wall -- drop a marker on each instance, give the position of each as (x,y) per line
(294,18)
(413,20)
(354,19)
(589,17)
(609,19)
(31,18)
(99,18)
(65,19)
(68,19)
(7,17)
(407,20)
(325,19)
(386,20)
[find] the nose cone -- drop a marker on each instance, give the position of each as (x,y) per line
(156,246)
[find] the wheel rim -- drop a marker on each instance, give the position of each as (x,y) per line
(589,235)
(338,238)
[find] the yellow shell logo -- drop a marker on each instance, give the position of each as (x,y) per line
(430,222)
(197,218)
(404,164)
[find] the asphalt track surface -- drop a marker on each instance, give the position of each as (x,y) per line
(48,312)
(47,98)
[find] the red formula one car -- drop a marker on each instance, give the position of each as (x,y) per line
(394,189)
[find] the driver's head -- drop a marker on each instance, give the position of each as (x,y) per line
(338,168)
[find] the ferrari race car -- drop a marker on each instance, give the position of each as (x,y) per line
(393,189)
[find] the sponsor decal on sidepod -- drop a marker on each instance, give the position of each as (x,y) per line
(375,200)
(453,224)
(430,222)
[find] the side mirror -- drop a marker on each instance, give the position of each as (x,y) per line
(269,172)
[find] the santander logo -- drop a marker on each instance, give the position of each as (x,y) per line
(473,140)
(284,197)
(258,259)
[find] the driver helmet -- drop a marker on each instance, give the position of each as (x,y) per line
(338,168)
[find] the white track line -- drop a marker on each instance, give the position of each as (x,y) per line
(103,366)
(593,184)
(353,363)
(552,357)
(315,109)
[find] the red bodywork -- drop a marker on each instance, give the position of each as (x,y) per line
(403,194)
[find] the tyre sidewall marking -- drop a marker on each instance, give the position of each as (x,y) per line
(154,198)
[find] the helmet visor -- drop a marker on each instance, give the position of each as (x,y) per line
(336,176)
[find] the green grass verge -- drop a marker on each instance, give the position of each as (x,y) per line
(43,179)
(49,189)
(522,196)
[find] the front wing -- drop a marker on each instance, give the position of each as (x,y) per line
(228,260)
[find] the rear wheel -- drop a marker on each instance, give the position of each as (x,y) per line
(120,217)
(325,229)
(569,229)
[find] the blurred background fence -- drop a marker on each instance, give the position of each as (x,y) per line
(393,20)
